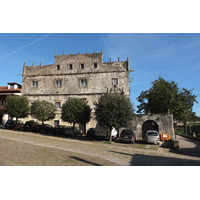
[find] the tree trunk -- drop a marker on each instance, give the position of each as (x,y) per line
(190,129)
(84,129)
(74,128)
(42,127)
(185,127)
(110,135)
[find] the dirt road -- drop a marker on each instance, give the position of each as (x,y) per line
(29,149)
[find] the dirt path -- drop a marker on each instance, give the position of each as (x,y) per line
(189,146)
(24,148)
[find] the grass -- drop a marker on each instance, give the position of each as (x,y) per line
(141,144)
(108,142)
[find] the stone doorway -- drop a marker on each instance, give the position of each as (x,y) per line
(149,125)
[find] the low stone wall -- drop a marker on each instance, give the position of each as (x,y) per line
(175,144)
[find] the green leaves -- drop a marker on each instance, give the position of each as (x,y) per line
(185,102)
(76,110)
(114,110)
(43,110)
(17,106)
(164,95)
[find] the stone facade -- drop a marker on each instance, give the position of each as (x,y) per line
(84,76)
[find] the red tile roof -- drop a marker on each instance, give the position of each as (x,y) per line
(5,89)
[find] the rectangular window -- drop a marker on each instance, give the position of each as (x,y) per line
(70,66)
(58,83)
(84,82)
(11,86)
(115,81)
(34,84)
(58,67)
(95,65)
(82,66)
(58,104)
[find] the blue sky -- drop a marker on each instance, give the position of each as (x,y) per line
(174,56)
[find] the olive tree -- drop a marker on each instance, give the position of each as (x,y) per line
(114,110)
(17,106)
(43,110)
(76,110)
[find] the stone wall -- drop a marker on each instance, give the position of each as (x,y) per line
(164,123)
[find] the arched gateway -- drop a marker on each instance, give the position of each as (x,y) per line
(163,123)
(149,125)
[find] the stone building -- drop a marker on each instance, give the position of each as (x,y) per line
(84,76)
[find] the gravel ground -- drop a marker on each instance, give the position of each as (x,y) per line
(29,149)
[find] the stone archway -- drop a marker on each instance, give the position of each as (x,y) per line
(149,125)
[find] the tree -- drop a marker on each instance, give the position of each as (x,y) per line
(114,110)
(43,110)
(159,98)
(75,111)
(195,118)
(184,104)
(166,95)
(17,106)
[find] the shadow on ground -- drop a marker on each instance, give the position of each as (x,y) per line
(85,161)
(150,160)
(127,154)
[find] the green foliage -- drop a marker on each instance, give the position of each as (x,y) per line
(76,110)
(43,110)
(114,110)
(159,98)
(164,96)
(184,104)
(195,118)
(17,106)
(180,130)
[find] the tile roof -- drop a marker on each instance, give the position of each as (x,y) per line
(5,89)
